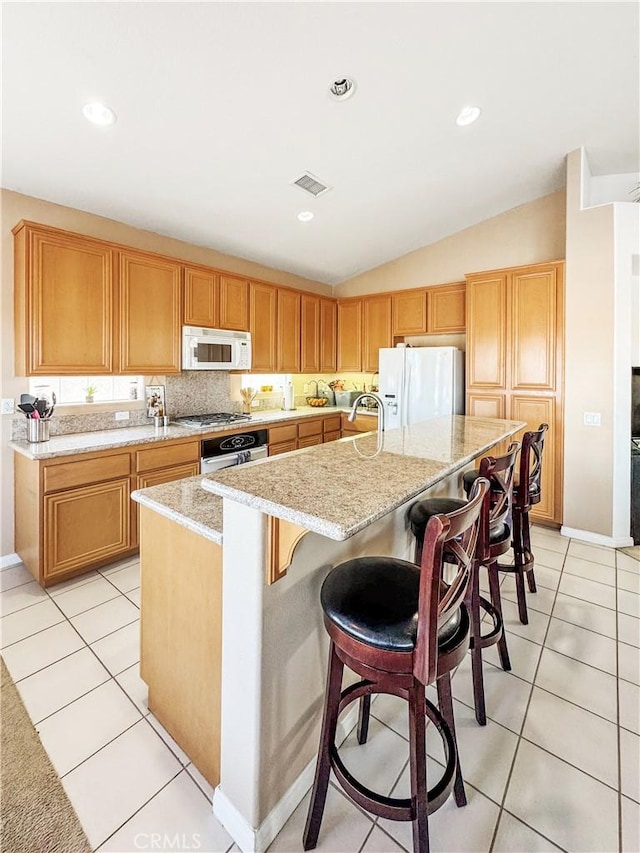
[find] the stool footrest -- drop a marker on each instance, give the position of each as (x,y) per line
(395,808)
(494,635)
(526,566)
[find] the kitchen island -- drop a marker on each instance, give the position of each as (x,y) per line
(285,523)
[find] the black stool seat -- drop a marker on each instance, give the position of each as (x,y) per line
(375,600)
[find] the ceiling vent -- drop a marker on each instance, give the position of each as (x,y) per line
(310,184)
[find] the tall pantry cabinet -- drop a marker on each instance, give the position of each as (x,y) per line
(515,337)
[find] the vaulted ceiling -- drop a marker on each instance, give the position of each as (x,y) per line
(221,106)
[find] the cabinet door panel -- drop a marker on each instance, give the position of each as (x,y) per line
(149,314)
(288,343)
(310,441)
(283,447)
(234,303)
(446,309)
(350,336)
(328,336)
(486,332)
(310,334)
(533,311)
(486,405)
(86,525)
(263,328)
(69,305)
(376,324)
(201,297)
(536,411)
(410,313)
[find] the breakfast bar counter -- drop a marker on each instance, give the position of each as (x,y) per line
(233,646)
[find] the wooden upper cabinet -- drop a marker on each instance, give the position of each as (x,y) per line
(446,309)
(149,313)
(350,335)
(263,327)
(534,300)
(409,313)
(234,303)
(328,336)
(486,331)
(201,297)
(310,334)
(64,303)
(288,338)
(376,322)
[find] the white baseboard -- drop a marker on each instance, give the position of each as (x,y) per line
(251,840)
(9,560)
(597,538)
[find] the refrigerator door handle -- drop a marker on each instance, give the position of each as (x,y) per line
(406,414)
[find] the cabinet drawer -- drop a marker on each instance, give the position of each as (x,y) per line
(307,428)
(289,432)
(331,424)
(309,441)
(166,455)
(283,447)
(362,423)
(168,475)
(331,436)
(86,471)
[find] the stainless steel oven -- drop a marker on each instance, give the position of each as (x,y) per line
(217,453)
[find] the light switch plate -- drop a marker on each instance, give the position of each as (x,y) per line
(592,419)
(8,406)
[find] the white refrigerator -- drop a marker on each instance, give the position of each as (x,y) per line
(419,383)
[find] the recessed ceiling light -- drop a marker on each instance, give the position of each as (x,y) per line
(305,216)
(467,116)
(342,88)
(98,113)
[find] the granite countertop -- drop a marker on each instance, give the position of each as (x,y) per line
(186,503)
(339,488)
(89,442)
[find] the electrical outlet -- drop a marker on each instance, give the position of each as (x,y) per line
(255,404)
(122,416)
(7,406)
(305,389)
(592,419)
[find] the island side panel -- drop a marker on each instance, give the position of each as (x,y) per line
(181,635)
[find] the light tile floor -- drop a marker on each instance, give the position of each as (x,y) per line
(557,766)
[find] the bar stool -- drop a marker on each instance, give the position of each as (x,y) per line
(526,493)
(493,542)
(400,627)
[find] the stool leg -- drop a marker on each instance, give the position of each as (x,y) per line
(494,589)
(418,766)
(364,710)
(526,538)
(327,739)
(445,703)
(473,605)
(519,560)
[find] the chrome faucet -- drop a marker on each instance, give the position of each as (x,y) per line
(354,408)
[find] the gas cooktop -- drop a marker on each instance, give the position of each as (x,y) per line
(215,419)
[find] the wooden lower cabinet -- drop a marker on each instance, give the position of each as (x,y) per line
(362,423)
(304,433)
(91,524)
(75,513)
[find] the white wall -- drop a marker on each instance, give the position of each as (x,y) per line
(601,242)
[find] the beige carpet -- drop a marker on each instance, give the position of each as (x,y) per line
(37,816)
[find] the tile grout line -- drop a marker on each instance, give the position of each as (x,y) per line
(526,712)
(618,744)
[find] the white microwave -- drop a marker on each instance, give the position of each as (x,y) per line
(215,349)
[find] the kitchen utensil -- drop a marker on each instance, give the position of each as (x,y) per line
(27,408)
(41,407)
(37,430)
(27,398)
